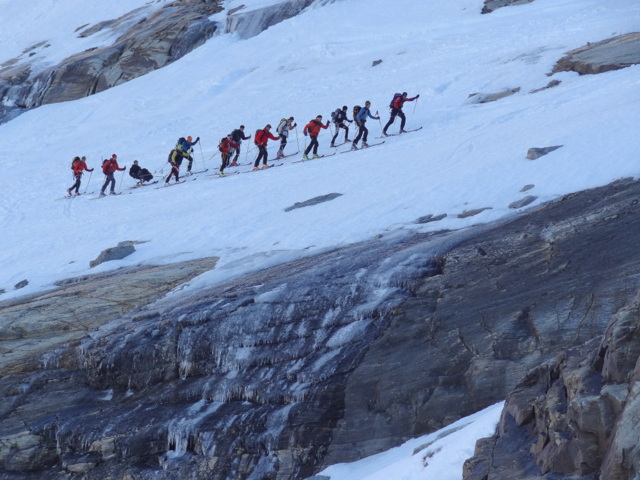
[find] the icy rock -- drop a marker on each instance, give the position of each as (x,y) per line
(122,250)
(535,153)
(523,202)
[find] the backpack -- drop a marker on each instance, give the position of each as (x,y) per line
(282,126)
(221,142)
(255,137)
(74,162)
(105,164)
(356,110)
(335,115)
(170,155)
(395,95)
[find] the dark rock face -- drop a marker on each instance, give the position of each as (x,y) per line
(275,374)
(536,152)
(313,201)
(145,45)
(574,416)
(611,54)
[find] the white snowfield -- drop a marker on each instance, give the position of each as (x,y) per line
(467,156)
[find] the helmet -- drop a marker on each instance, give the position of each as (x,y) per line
(345,108)
(135,162)
(319,116)
(367,102)
(404,94)
(268,125)
(189,138)
(241,127)
(291,119)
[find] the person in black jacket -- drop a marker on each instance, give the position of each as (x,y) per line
(237,136)
(339,119)
(140,174)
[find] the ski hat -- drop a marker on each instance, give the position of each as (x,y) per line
(319,117)
(345,108)
(189,138)
(241,127)
(114,156)
(404,94)
(267,126)
(367,103)
(135,162)
(291,119)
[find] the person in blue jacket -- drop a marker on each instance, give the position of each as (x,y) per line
(185,148)
(361,120)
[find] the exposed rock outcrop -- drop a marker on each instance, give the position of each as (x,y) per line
(248,22)
(610,54)
(491,5)
(144,44)
(276,373)
(536,152)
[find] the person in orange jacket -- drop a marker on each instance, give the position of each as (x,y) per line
(313,130)
(227,147)
(78,165)
(261,139)
(109,167)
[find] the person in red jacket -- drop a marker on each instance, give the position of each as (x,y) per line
(109,167)
(313,130)
(227,147)
(396,110)
(261,139)
(78,165)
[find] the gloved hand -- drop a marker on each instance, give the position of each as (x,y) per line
(191,150)
(197,139)
(304,133)
(418,96)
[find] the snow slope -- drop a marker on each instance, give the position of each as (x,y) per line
(467,155)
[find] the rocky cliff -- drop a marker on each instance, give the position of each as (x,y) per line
(333,357)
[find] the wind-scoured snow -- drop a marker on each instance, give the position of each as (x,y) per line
(467,156)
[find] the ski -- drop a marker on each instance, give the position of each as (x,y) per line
(400,133)
(196,173)
(110,195)
(171,184)
(69,197)
(143,185)
(339,144)
(363,148)
(217,175)
(285,156)
(312,158)
(270,166)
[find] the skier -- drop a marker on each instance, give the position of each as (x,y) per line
(262,137)
(109,167)
(396,110)
(175,160)
(227,146)
(313,129)
(78,165)
(339,119)
(361,120)
(237,136)
(185,147)
(283,130)
(140,174)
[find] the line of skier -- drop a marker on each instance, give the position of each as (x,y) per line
(229,146)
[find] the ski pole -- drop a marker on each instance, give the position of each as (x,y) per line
(122,179)
(88,182)
(202,154)
(297,140)
(414,109)
(379,121)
